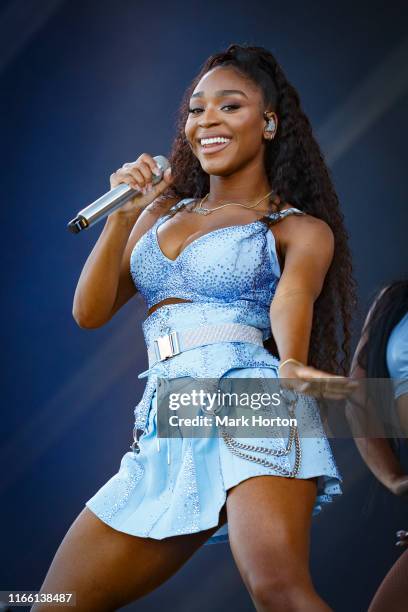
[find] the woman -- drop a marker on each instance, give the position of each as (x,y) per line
(246,161)
(381,356)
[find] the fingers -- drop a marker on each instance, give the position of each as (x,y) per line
(141,173)
(148,159)
(167,175)
(138,174)
(322,390)
(320,384)
(327,388)
(402,540)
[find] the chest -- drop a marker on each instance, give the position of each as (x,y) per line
(223,264)
(177,233)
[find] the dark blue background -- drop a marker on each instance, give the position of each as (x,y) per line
(86,86)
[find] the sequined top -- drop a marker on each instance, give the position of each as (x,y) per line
(397,356)
(229,275)
(236,265)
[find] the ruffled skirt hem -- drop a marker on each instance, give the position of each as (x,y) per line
(176,486)
(326,483)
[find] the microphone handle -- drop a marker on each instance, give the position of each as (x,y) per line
(103,206)
(112,200)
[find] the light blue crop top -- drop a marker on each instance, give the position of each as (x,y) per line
(226,265)
(397,356)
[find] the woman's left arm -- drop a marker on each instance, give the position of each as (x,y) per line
(308,250)
(308,247)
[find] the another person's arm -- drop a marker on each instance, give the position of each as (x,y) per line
(375,452)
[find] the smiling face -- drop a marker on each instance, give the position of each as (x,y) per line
(226,104)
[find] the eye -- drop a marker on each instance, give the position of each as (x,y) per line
(192,111)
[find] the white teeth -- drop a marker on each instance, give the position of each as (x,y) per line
(216,139)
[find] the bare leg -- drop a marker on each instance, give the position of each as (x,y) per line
(108,569)
(269,523)
(392,594)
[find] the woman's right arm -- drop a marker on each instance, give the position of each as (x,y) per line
(105,284)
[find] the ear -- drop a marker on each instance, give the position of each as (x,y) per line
(271,119)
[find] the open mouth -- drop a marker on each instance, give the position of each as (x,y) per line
(213,147)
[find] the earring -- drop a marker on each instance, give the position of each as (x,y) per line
(271,127)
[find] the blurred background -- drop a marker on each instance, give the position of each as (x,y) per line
(86,86)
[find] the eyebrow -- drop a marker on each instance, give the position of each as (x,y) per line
(220,93)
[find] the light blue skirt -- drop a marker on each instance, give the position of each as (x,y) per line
(175,486)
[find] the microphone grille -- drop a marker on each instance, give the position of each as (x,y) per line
(163,164)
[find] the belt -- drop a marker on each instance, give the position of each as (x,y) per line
(175,342)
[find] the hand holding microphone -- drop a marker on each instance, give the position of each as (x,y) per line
(133,187)
(144,176)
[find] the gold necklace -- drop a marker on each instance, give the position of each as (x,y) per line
(201,210)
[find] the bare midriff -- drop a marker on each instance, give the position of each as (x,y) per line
(165,302)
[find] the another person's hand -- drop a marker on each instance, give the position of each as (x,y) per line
(402,541)
(311,381)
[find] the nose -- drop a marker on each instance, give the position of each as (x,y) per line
(208,117)
(206,124)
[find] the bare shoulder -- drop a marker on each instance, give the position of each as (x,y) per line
(306,230)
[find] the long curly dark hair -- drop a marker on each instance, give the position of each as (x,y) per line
(295,168)
(387,308)
(390,305)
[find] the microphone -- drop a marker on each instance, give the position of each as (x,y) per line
(113,199)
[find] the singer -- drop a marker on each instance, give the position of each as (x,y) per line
(245,233)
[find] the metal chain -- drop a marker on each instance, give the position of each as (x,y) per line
(206,211)
(263,449)
(261,460)
(236,448)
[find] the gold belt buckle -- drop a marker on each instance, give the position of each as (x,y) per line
(167,346)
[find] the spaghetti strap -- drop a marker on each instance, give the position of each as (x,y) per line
(277,216)
(274,217)
(179,204)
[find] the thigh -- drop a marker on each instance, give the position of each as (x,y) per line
(269,520)
(107,568)
(392,594)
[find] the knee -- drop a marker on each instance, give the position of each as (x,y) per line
(278,591)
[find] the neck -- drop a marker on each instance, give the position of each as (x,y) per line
(246,186)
